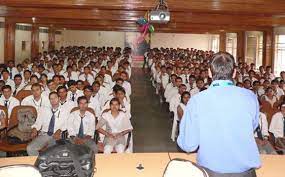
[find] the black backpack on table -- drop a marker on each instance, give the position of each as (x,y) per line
(66,160)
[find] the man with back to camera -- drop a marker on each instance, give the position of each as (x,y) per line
(220,123)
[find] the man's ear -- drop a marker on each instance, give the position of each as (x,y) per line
(234,73)
(210,73)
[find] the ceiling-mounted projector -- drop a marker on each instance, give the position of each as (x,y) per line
(160,14)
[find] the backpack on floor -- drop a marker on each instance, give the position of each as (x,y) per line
(184,168)
(66,160)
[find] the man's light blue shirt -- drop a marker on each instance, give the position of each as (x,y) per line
(221,122)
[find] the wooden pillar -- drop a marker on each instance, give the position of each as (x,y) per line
(241,46)
(51,38)
(9,41)
(268,48)
(222,44)
(35,40)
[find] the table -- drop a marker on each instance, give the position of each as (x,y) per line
(119,165)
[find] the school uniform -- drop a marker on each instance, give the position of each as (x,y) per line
(74,96)
(11,83)
(262,133)
(277,127)
(18,88)
(81,126)
(67,105)
(9,103)
(115,125)
(128,88)
(47,123)
(73,76)
(30,101)
(89,78)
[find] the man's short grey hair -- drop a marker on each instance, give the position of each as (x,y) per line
(222,66)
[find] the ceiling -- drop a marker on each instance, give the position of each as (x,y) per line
(199,16)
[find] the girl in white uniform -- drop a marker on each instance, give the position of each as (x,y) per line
(117,126)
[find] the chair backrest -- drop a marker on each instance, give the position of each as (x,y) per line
(19,110)
(88,109)
(23,94)
(5,110)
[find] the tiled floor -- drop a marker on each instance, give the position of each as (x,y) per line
(152,125)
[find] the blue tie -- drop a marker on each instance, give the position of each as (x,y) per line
(6,103)
(51,124)
(81,132)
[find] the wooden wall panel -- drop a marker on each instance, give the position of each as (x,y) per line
(222,44)
(241,46)
(35,40)
(51,38)
(9,41)
(268,48)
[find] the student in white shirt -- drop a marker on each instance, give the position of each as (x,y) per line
(117,126)
(175,100)
(277,127)
(73,94)
(87,76)
(92,102)
(36,100)
(262,135)
(126,83)
(50,123)
(33,79)
(51,88)
(7,80)
(185,97)
(12,69)
(8,100)
(65,103)
(19,85)
(96,94)
(70,75)
(81,125)
(200,85)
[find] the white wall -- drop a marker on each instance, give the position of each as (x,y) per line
(20,54)
(2,31)
(197,41)
(58,41)
(93,38)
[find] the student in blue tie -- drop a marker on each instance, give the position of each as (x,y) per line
(50,123)
(81,125)
(219,123)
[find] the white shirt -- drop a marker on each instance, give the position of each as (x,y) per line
(169,86)
(30,101)
(277,125)
(18,88)
(125,107)
(127,86)
(173,91)
(194,91)
(108,79)
(67,105)
(95,105)
(11,83)
(44,117)
(12,102)
(77,94)
(89,78)
(174,102)
(164,80)
(263,125)
(115,125)
(74,76)
(74,122)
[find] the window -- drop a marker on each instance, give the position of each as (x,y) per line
(254,47)
(279,61)
(215,39)
(231,44)
(24,45)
